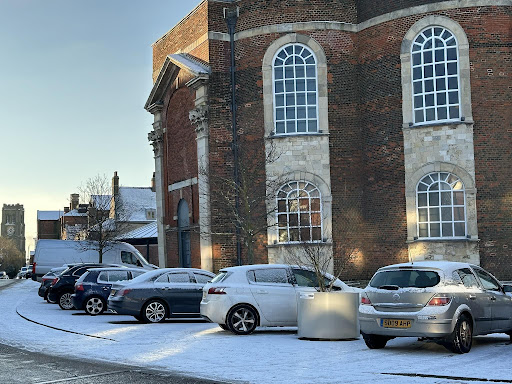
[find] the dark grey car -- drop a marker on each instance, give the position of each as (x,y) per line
(161,294)
(446,301)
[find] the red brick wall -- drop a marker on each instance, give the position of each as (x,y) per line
(185,33)
(48,229)
(365,124)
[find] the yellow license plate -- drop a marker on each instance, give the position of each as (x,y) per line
(394,323)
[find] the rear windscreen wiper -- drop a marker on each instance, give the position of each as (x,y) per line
(390,287)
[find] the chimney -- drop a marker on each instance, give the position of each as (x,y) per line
(115,185)
(74,201)
(66,209)
(153,183)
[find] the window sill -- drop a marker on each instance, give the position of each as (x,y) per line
(406,127)
(445,240)
(302,135)
(315,243)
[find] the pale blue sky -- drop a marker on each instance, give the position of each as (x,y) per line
(74,77)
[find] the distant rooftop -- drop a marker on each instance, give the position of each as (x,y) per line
(135,202)
(147,231)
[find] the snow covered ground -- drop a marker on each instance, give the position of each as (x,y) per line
(267,356)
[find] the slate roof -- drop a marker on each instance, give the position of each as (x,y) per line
(147,231)
(135,201)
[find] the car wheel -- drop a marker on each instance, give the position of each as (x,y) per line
(461,339)
(65,301)
(242,320)
(375,341)
(45,296)
(154,311)
(95,306)
(49,301)
(224,327)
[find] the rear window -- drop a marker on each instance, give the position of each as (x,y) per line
(220,277)
(405,279)
(270,275)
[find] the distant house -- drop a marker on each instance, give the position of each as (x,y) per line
(48,224)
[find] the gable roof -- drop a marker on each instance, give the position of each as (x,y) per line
(134,202)
(169,71)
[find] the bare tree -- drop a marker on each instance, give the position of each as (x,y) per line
(101,227)
(247,202)
(11,259)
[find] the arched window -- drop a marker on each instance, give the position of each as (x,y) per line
(441,206)
(299,212)
(435,76)
(295,88)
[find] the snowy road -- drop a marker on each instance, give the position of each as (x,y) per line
(267,356)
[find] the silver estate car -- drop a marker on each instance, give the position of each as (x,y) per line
(447,301)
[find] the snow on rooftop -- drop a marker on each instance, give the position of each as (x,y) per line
(101,201)
(49,215)
(74,212)
(147,231)
(135,203)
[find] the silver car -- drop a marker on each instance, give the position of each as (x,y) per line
(447,301)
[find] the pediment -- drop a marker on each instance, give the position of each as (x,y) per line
(173,64)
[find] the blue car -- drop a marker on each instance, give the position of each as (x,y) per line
(93,287)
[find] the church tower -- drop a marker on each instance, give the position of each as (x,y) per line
(13,224)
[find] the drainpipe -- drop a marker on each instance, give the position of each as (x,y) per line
(231,16)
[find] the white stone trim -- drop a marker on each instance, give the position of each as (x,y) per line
(182,184)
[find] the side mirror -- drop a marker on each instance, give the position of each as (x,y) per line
(507,288)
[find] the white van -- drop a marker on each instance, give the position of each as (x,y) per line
(55,253)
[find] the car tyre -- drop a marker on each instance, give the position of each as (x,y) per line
(65,301)
(95,306)
(461,339)
(242,319)
(154,311)
(224,327)
(375,341)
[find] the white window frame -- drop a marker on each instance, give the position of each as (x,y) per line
(466,115)
(298,212)
(418,49)
(285,93)
(452,181)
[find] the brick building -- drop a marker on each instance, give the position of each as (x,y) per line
(380,133)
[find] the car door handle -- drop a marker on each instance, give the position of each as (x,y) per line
(472,297)
(262,291)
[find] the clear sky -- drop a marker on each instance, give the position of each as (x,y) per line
(74,77)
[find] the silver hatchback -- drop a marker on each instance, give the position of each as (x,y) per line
(447,301)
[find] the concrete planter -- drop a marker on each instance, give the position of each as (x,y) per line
(328,316)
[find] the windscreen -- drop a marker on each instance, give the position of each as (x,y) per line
(405,279)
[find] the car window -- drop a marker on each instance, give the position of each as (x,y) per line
(79,272)
(130,258)
(220,277)
(117,276)
(488,282)
(405,279)
(202,279)
(269,275)
(307,278)
(181,277)
(137,273)
(103,277)
(466,277)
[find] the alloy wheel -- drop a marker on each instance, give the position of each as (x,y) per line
(65,301)
(465,334)
(94,306)
(155,312)
(243,320)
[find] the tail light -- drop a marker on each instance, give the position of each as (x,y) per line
(217,291)
(123,292)
(55,281)
(365,300)
(34,268)
(79,287)
(438,301)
